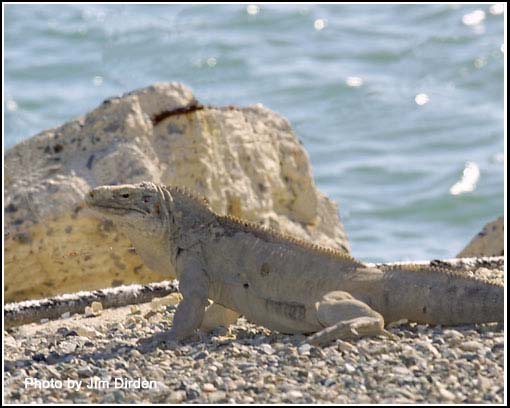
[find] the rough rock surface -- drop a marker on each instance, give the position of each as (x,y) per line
(488,242)
(246,161)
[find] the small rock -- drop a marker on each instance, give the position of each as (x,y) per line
(200,355)
(10,341)
(470,356)
(484,383)
(218,382)
(484,272)
(345,346)
(97,307)
(426,346)
(327,382)
(85,372)
(217,396)
(39,357)
(402,371)
(193,390)
(470,346)
(294,394)
(266,349)
(86,332)
(66,332)
(68,347)
(135,309)
(89,312)
(447,395)
(170,300)
(208,387)
(453,335)
(176,397)
(304,349)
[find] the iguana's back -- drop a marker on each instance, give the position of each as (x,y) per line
(255,262)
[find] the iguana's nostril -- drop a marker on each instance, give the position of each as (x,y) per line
(91,194)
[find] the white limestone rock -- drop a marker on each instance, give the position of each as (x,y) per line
(246,161)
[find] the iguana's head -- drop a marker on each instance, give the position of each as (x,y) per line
(142,212)
(140,209)
(155,218)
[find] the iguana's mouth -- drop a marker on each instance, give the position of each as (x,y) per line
(117,210)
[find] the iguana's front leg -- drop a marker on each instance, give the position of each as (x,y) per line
(343,317)
(194,287)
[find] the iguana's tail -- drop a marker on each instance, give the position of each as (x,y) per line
(432,295)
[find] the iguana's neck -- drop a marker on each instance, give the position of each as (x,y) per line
(187,217)
(190,216)
(157,253)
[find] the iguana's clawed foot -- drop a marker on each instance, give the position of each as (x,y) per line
(354,328)
(166,339)
(390,335)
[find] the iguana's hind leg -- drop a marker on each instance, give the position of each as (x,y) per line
(344,317)
(218,315)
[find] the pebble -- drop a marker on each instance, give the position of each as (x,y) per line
(447,395)
(86,332)
(10,341)
(294,394)
(470,346)
(267,349)
(345,346)
(176,397)
(68,347)
(217,396)
(304,349)
(453,335)
(88,312)
(428,347)
(208,387)
(135,309)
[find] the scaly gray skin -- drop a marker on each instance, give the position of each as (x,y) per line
(278,281)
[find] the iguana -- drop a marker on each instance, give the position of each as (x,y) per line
(278,281)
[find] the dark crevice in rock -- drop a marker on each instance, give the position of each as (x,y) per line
(166,114)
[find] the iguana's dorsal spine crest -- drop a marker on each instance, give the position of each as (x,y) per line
(263,231)
(190,194)
(269,233)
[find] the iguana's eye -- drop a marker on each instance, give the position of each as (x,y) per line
(126,195)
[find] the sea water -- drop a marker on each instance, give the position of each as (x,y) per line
(400,107)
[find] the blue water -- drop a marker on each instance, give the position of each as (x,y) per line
(390,101)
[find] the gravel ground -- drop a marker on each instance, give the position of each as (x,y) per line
(421,364)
